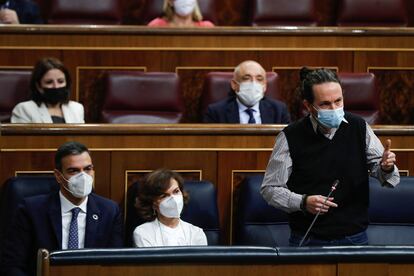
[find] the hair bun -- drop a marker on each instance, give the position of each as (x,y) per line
(304,72)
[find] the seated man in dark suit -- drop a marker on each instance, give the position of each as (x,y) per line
(19,12)
(248,105)
(72,218)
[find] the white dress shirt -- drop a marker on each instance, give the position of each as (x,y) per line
(66,209)
(244,116)
(154,233)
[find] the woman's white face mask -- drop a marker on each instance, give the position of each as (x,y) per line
(184,7)
(172,206)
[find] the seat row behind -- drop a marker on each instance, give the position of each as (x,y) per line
(156,97)
(262,12)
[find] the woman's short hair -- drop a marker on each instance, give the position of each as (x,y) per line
(41,68)
(154,185)
(169,11)
(311,77)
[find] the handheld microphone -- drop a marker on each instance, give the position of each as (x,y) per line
(333,188)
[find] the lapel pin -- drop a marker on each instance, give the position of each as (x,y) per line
(95,216)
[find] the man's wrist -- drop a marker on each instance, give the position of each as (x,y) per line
(303,202)
(388,170)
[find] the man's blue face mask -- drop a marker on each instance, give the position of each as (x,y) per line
(330,118)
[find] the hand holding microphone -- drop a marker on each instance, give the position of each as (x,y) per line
(319,203)
(319,207)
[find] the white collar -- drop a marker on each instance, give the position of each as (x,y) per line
(242,107)
(67,206)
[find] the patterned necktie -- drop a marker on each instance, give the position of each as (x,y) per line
(73,241)
(251,117)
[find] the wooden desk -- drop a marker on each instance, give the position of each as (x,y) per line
(222,154)
(226,261)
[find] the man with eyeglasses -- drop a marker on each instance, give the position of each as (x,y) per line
(247,103)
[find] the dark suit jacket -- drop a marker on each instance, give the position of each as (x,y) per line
(38,224)
(227,111)
(27,11)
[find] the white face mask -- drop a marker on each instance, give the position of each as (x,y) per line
(80,185)
(184,7)
(172,206)
(250,93)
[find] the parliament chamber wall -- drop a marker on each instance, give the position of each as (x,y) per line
(218,153)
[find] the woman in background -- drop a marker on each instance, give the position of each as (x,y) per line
(160,201)
(50,88)
(181,13)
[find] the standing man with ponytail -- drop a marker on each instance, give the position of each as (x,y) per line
(328,146)
(72,218)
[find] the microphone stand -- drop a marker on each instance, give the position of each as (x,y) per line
(333,188)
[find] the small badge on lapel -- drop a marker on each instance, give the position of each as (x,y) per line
(95,216)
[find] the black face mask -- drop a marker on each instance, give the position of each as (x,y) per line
(55,95)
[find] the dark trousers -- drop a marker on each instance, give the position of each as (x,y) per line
(360,238)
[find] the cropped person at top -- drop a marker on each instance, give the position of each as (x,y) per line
(181,13)
(313,153)
(160,201)
(50,86)
(19,12)
(247,103)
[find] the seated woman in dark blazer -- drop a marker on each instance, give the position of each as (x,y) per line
(50,88)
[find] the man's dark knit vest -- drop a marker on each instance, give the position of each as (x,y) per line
(317,162)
